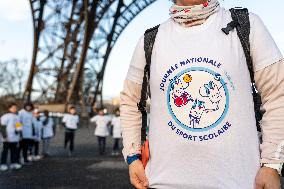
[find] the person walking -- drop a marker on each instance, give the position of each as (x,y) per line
(70,121)
(116,133)
(202,131)
(102,130)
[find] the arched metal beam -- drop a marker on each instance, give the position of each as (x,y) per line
(120,22)
(37,8)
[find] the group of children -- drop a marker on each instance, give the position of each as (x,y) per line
(23,131)
(21,135)
(105,126)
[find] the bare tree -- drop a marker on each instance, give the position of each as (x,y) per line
(11,78)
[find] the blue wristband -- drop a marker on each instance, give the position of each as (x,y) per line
(133,158)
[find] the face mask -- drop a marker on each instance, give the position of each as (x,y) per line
(195,14)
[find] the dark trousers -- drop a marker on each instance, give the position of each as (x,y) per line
(69,138)
(25,146)
(102,144)
(45,146)
(35,149)
(13,148)
(116,144)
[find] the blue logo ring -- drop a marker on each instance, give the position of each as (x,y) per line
(216,122)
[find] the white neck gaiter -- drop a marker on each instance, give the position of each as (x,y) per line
(194,15)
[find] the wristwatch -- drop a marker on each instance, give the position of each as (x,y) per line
(277,167)
(132,158)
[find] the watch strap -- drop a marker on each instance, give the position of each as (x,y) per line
(132,158)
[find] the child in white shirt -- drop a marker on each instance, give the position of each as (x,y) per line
(116,132)
(47,132)
(10,129)
(101,130)
(70,122)
(26,118)
(37,126)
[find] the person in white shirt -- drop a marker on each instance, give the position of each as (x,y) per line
(116,132)
(37,126)
(202,131)
(102,130)
(10,129)
(70,121)
(47,132)
(26,143)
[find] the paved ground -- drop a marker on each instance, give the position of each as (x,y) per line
(85,169)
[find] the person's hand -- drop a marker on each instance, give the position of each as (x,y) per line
(137,175)
(267,178)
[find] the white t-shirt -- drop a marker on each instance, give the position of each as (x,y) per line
(202,132)
(47,130)
(115,122)
(71,121)
(27,120)
(10,120)
(102,125)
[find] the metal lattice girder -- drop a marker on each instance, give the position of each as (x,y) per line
(37,8)
(72,43)
(48,49)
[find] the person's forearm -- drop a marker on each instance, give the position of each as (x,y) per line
(131,120)
(270,83)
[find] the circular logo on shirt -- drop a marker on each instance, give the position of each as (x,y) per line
(198,99)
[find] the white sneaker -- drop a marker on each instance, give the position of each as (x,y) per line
(117,153)
(30,158)
(36,158)
(15,166)
(18,166)
(3,167)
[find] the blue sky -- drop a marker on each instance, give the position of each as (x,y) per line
(16,35)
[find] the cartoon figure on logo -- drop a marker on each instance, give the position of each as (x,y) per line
(180,96)
(196,112)
(211,91)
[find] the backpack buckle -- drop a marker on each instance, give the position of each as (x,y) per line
(230,27)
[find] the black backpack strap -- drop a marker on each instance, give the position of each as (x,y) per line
(149,40)
(241,22)
(243,29)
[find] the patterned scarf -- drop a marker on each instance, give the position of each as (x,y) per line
(195,14)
